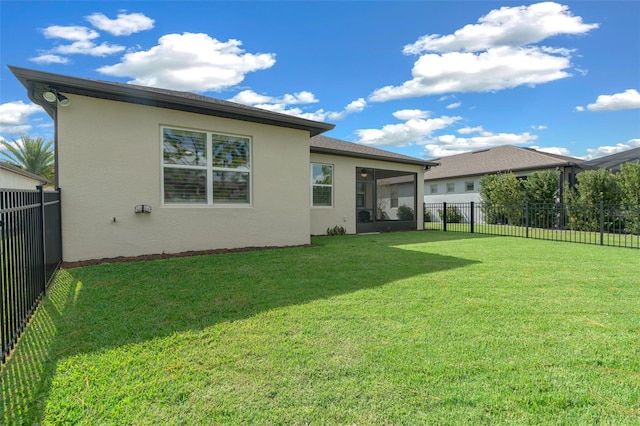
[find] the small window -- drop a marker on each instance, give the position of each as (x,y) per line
(433,188)
(321,185)
(394,197)
(451,187)
(469,186)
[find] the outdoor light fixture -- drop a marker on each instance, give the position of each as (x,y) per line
(143,208)
(52,95)
(364,173)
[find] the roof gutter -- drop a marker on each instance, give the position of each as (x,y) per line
(321,150)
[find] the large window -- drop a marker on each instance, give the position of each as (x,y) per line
(321,185)
(205,168)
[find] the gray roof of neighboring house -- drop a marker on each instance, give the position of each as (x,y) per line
(38,82)
(503,158)
(326,145)
(614,161)
(13,169)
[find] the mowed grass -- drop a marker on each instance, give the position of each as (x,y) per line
(404,328)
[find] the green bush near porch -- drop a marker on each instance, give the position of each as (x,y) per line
(396,328)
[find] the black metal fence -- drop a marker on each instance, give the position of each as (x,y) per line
(603,224)
(30,254)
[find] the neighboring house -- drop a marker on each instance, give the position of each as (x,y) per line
(146,170)
(12,177)
(457,178)
(614,161)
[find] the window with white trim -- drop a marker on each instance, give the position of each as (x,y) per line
(205,168)
(433,188)
(321,185)
(469,186)
(451,187)
(394,196)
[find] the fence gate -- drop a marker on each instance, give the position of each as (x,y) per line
(30,254)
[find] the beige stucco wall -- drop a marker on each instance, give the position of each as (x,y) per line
(10,180)
(343,212)
(110,161)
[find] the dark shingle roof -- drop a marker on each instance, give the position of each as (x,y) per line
(503,158)
(326,145)
(614,161)
(37,82)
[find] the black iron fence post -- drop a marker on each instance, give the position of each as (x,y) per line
(601,223)
(43,252)
(471,216)
(59,224)
(526,218)
(444,216)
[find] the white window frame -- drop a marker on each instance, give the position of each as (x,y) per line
(313,184)
(208,167)
(394,199)
(451,185)
(431,188)
(473,186)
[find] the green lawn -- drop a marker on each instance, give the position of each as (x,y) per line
(404,328)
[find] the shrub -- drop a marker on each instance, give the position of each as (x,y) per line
(405,213)
(453,215)
(336,230)
(502,198)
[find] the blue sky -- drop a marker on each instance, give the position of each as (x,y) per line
(421,78)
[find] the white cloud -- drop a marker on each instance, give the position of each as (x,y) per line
(355,106)
(49,58)
(558,150)
(495,69)
(72,33)
(451,144)
(539,127)
(408,114)
(497,53)
(507,26)
(412,131)
(281,105)
(82,44)
(469,130)
(14,116)
(611,149)
(454,105)
(629,99)
(17,112)
(124,24)
(88,48)
(190,62)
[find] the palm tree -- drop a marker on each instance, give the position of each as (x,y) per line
(33,155)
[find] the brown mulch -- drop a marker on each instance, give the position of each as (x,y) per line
(77,264)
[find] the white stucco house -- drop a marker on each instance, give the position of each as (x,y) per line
(146,170)
(12,177)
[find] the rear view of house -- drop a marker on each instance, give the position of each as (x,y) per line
(146,170)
